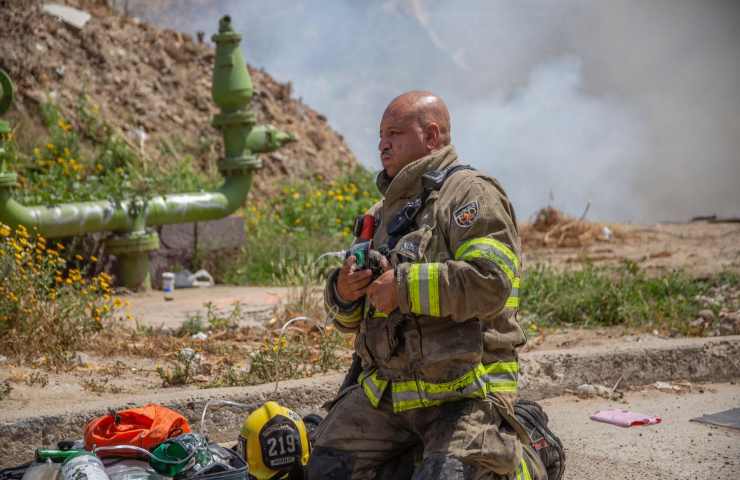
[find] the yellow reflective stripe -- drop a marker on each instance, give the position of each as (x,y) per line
(522,472)
(433,270)
(476,383)
(423,287)
(473,254)
(499,247)
(348,319)
(512,302)
(373,387)
(413,287)
(492,242)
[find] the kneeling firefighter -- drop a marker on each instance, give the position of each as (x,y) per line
(435,322)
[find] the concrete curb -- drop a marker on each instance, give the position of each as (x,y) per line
(544,374)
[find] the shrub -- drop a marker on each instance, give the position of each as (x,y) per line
(48,308)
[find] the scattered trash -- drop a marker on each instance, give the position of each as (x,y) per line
(728,418)
(186,279)
(624,418)
(168,285)
(663,386)
(189,355)
(200,336)
(69,15)
(82,359)
(676,387)
(606,233)
(3,359)
(588,390)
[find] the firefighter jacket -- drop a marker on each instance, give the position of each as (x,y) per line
(457,271)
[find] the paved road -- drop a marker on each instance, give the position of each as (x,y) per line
(674,449)
(256,303)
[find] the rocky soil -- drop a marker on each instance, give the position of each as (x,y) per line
(151,84)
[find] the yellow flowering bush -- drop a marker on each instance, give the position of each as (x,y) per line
(48,307)
(288,231)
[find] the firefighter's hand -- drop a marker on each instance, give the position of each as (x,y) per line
(352,283)
(382,293)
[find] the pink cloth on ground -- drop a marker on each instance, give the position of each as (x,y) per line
(624,418)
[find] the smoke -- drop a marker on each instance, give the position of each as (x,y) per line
(632,106)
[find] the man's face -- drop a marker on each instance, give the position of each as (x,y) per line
(401,140)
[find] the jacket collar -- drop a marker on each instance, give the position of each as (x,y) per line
(407,181)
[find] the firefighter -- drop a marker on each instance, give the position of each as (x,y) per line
(436,331)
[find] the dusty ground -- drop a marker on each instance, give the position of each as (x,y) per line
(676,449)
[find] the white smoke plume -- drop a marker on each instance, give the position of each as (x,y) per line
(631,105)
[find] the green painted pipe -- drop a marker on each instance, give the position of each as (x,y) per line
(232,92)
(70,219)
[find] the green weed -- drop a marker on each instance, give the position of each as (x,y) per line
(186,363)
(626,296)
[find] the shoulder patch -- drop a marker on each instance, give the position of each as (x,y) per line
(465,216)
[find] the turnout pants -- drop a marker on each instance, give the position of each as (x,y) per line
(466,439)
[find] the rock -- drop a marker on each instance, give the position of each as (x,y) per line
(588,390)
(82,359)
(729,324)
(69,15)
(707,315)
(3,359)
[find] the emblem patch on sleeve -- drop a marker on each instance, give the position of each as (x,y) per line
(465,216)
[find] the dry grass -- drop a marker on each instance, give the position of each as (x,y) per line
(554,229)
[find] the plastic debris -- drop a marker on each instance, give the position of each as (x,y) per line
(588,390)
(200,336)
(69,15)
(728,418)
(186,279)
(606,233)
(675,387)
(625,418)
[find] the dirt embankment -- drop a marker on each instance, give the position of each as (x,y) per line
(152,81)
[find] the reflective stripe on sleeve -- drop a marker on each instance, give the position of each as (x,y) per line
(492,250)
(423,288)
(513,301)
(348,319)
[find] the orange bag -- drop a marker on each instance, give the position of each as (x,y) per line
(144,427)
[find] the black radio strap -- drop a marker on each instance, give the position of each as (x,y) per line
(403,222)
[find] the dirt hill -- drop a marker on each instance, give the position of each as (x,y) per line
(153,80)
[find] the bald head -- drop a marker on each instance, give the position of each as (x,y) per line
(414,124)
(427,108)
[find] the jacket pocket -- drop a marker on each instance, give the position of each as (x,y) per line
(413,246)
(444,345)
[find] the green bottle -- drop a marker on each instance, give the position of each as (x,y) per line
(58,456)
